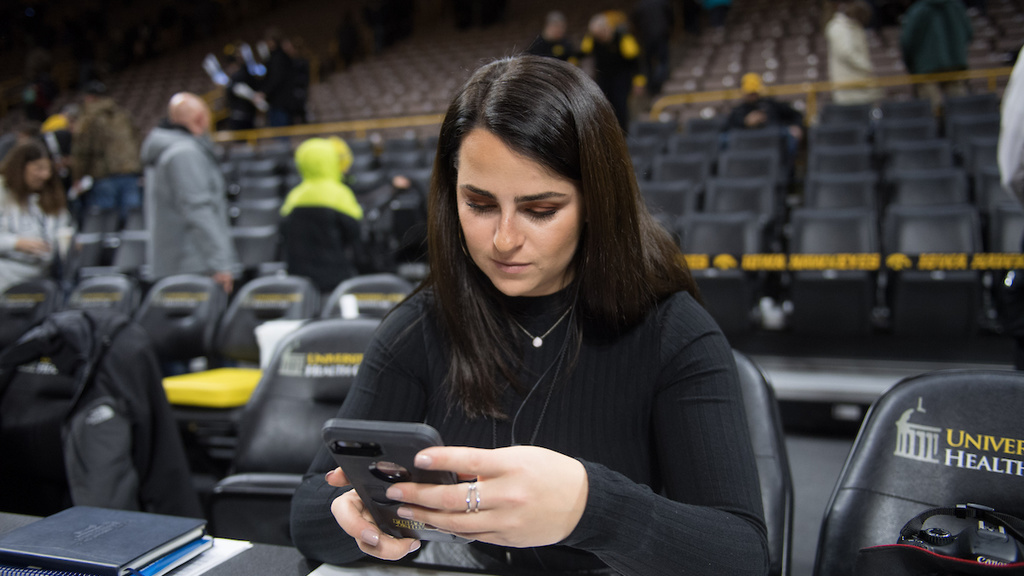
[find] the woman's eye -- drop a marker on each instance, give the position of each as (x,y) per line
(475,207)
(541,213)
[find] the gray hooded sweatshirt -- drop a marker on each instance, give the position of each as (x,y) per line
(186,205)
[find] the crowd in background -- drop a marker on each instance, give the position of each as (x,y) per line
(94,145)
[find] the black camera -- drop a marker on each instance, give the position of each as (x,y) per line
(983,543)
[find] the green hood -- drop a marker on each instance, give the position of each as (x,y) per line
(318,163)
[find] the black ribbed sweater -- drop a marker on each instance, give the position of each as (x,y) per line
(655,415)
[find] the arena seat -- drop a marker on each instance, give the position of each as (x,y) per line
(302,386)
(837,134)
(730,293)
(889,131)
(374,294)
(750,164)
(914,108)
(106,291)
(832,113)
(918,155)
(180,314)
(671,198)
(705,143)
(932,303)
(23,304)
(765,423)
(832,301)
(853,190)
(695,168)
(926,442)
(839,159)
(928,187)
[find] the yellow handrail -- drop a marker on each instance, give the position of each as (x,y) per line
(357,127)
(360,127)
(811,89)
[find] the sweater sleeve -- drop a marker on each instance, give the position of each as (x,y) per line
(707,518)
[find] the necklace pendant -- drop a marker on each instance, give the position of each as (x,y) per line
(537,342)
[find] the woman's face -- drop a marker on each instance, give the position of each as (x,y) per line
(521,222)
(37,172)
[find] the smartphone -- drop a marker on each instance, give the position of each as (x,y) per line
(376,454)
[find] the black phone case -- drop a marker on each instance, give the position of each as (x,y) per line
(364,448)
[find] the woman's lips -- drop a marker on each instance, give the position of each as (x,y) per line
(510,267)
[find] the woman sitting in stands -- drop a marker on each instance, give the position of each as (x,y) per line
(559,347)
(33,212)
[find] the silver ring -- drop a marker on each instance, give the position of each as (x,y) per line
(472,498)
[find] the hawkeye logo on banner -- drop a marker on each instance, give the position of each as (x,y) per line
(957,448)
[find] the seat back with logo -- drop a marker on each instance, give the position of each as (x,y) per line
(108,291)
(375,295)
(180,314)
(279,434)
(24,304)
(257,301)
(938,439)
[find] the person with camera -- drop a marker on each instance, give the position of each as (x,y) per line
(559,347)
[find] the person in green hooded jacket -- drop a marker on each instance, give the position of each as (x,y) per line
(321,217)
(934,38)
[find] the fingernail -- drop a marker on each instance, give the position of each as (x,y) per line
(423,461)
(414,546)
(394,493)
(370,537)
(404,512)
(328,475)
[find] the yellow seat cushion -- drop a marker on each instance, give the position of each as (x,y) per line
(217,388)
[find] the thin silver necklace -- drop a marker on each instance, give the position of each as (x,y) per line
(538,341)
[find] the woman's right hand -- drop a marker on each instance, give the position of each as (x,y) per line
(356,521)
(33,246)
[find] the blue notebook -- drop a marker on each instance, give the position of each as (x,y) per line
(100,542)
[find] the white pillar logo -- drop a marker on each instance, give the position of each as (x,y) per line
(917,441)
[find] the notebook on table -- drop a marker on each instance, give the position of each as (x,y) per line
(103,542)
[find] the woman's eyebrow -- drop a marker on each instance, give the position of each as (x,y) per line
(518,199)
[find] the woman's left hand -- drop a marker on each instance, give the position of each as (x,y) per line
(528,496)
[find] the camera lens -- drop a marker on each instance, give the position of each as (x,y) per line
(389,471)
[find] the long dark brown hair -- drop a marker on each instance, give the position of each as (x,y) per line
(51,196)
(554,114)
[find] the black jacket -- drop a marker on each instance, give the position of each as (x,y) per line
(83,412)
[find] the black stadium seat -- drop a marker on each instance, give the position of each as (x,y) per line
(180,314)
(928,187)
(279,431)
(933,302)
(374,295)
(769,444)
(23,304)
(672,198)
(729,293)
(853,190)
(107,291)
(929,441)
(833,301)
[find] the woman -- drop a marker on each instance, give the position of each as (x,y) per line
(849,58)
(559,348)
(33,211)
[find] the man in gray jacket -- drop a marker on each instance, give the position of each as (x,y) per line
(186,204)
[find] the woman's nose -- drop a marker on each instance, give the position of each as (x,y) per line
(507,236)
